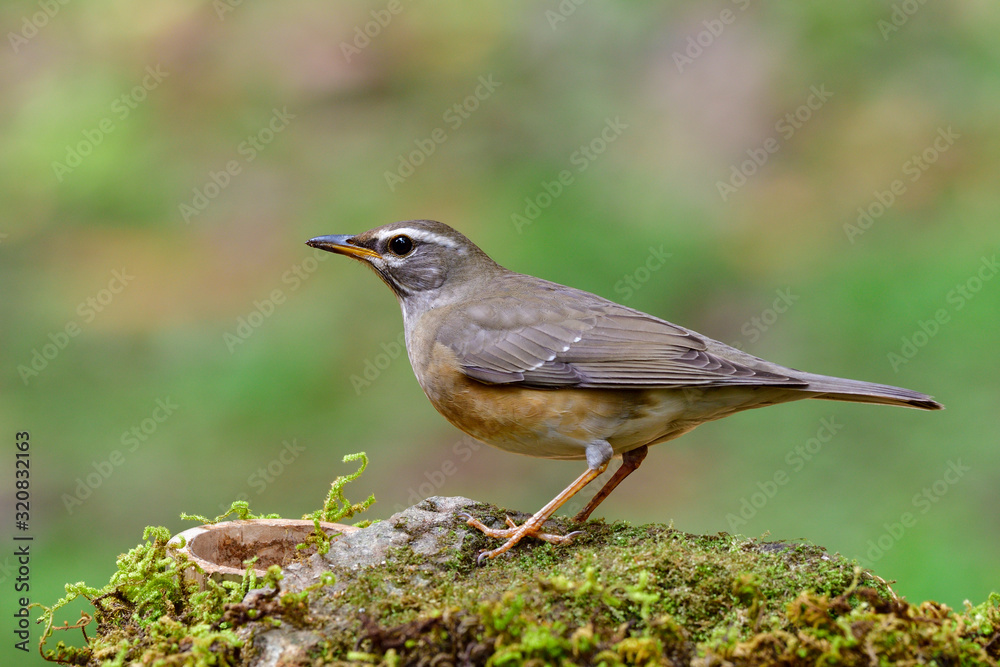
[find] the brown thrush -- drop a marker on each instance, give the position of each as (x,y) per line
(538,368)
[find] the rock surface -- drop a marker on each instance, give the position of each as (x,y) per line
(408,591)
(429,531)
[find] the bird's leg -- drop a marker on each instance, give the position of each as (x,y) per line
(598,455)
(530,527)
(631,460)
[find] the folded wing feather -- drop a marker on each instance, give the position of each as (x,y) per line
(561,337)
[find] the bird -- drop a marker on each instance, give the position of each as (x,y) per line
(538,368)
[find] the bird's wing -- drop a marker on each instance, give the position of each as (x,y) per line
(561,337)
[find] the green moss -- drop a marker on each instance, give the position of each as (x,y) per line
(239,508)
(648,595)
(336,507)
(620,594)
(151,612)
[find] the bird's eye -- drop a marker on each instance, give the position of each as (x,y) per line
(400,245)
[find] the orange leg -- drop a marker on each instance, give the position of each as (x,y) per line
(530,528)
(631,460)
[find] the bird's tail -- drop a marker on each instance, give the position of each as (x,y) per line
(842,389)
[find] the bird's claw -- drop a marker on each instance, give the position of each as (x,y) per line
(568,537)
(513,534)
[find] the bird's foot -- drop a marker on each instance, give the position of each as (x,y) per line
(514,534)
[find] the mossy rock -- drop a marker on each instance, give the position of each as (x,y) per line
(408,591)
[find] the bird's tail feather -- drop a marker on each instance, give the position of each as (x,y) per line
(842,389)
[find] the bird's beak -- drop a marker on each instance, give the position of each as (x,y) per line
(341,244)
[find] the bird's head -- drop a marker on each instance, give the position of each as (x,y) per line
(417,259)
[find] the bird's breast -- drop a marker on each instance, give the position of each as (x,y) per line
(548,423)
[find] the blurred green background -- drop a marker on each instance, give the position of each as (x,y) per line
(816,183)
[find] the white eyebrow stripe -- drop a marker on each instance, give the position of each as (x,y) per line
(419,235)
